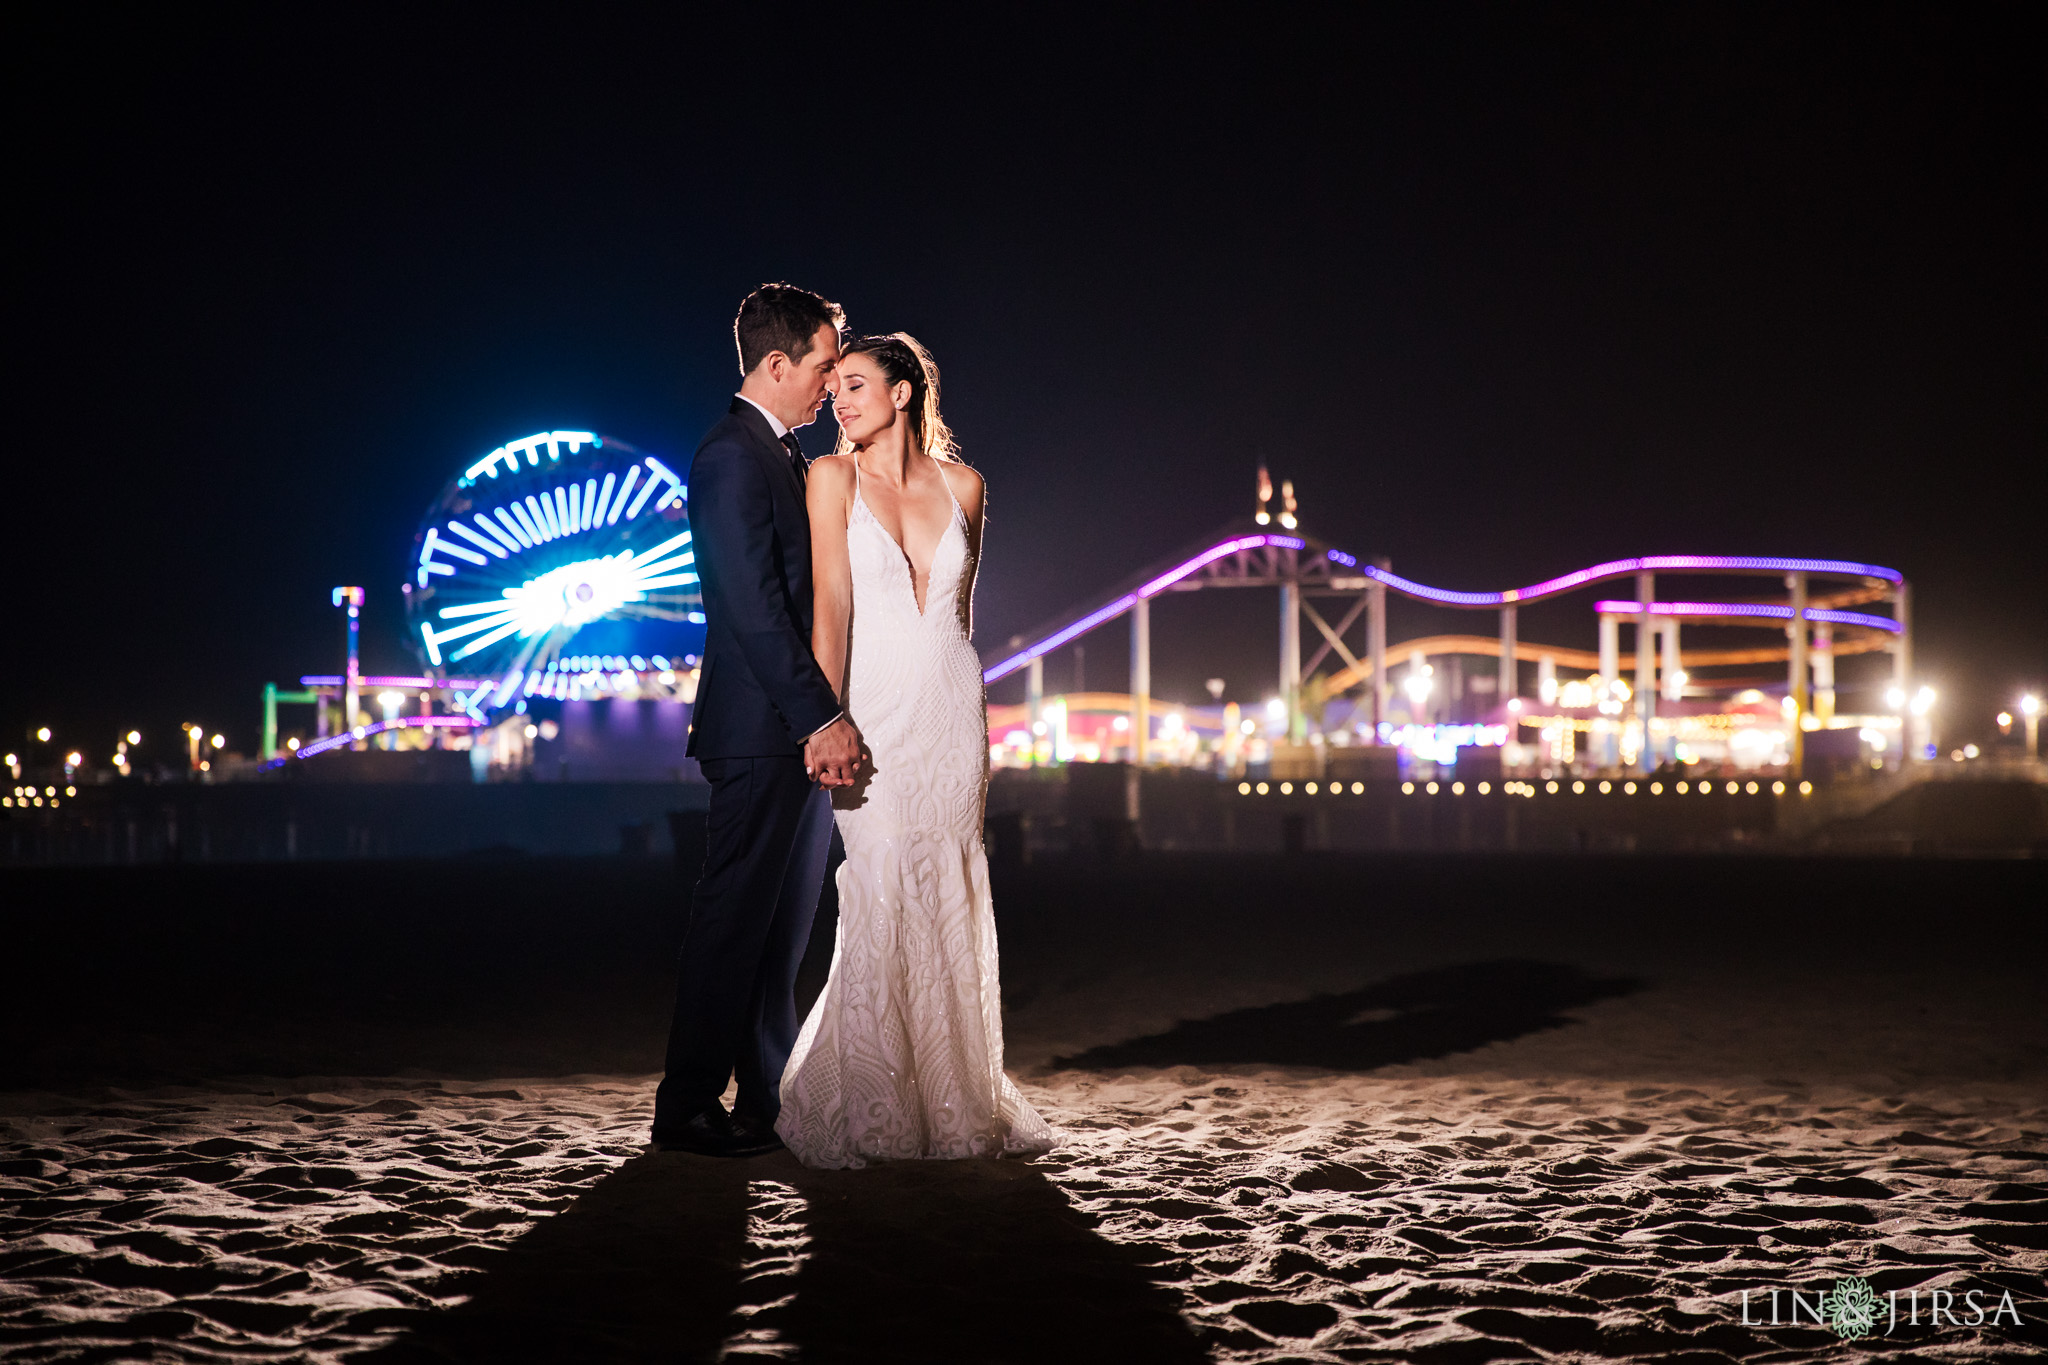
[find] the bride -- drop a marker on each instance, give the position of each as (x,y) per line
(902,1056)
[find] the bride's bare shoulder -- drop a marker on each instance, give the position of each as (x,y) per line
(831,474)
(833,466)
(828,490)
(967,485)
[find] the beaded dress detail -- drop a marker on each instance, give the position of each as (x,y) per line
(902,1056)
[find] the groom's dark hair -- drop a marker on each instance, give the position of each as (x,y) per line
(781,317)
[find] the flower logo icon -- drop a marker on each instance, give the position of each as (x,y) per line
(1851,1307)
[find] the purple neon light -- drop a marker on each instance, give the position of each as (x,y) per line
(336,680)
(1549,587)
(321,746)
(1852,618)
(1058,638)
(1616,608)
(1765,610)
(1619,568)
(1843,568)
(1208,556)
(1428,594)
(1129,600)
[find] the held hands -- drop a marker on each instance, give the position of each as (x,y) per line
(832,757)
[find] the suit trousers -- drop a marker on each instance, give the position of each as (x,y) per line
(767,837)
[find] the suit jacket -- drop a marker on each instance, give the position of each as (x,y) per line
(759,692)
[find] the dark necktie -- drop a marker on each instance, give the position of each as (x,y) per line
(796,455)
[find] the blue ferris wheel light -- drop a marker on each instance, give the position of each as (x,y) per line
(531,447)
(558,536)
(571,595)
(564,510)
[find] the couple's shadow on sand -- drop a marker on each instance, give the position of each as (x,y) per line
(684,1258)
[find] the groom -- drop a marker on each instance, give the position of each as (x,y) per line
(767,723)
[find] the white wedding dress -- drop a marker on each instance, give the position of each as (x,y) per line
(902,1056)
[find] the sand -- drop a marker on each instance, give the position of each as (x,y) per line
(1528,1137)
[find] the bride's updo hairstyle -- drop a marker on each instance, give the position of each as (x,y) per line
(904,360)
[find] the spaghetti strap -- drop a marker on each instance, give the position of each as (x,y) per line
(958,510)
(858,501)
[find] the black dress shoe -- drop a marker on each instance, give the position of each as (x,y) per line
(713,1132)
(708,1132)
(757,1133)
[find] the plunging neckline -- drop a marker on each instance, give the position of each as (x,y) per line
(909,565)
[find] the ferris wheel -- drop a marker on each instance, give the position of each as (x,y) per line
(561,539)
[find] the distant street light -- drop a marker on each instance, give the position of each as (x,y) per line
(43,735)
(390,702)
(1922,742)
(135,737)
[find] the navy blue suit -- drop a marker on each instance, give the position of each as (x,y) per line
(760,694)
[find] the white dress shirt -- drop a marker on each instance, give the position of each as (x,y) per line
(774,422)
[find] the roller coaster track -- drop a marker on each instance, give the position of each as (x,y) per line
(1566,656)
(1247,556)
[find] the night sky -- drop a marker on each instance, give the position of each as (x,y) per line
(1504,290)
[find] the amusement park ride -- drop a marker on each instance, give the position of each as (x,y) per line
(560,536)
(559,568)
(1621,721)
